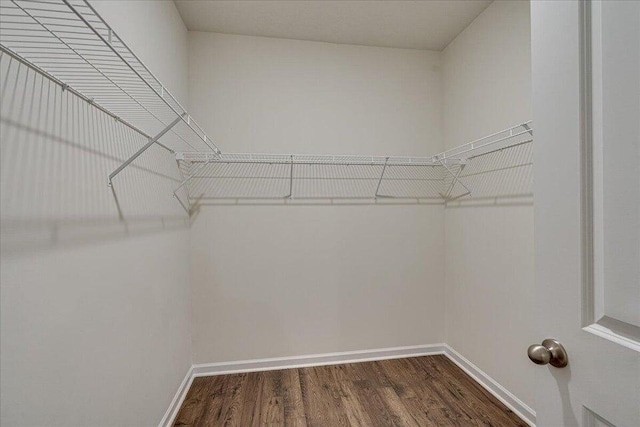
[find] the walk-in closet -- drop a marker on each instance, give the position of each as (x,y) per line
(320,213)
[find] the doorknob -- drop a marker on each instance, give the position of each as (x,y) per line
(551,351)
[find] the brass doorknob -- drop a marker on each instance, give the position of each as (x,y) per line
(551,351)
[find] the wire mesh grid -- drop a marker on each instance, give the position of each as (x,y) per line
(238,180)
(67,41)
(70,41)
(407,181)
(306,159)
(520,133)
(237,176)
(500,165)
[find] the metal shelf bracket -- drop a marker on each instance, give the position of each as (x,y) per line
(455,177)
(290,196)
(144,148)
(384,168)
(185,182)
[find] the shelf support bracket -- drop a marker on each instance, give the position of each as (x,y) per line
(527,128)
(384,168)
(185,182)
(453,182)
(455,179)
(152,141)
(290,196)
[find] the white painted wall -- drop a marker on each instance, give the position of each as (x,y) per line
(95,312)
(291,280)
(489,249)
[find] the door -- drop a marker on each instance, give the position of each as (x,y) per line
(586,115)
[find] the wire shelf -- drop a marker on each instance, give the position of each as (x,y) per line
(519,134)
(286,176)
(496,165)
(69,41)
(308,159)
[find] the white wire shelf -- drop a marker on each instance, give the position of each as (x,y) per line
(521,133)
(70,42)
(308,159)
(499,165)
(280,176)
(493,166)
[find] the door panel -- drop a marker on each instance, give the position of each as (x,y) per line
(585,281)
(614,29)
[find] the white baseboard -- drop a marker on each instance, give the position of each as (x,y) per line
(492,386)
(290,362)
(170,416)
(255,365)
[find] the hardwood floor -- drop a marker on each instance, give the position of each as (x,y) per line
(418,391)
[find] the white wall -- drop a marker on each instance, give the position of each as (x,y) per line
(291,280)
(95,312)
(489,249)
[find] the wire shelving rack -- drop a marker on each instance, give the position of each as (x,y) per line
(291,176)
(70,43)
(496,165)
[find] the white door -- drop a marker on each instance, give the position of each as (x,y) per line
(586,115)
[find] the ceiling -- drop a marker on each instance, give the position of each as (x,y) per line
(403,24)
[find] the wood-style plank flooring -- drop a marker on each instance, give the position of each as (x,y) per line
(417,391)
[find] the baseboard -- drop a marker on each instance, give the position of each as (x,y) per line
(492,386)
(170,416)
(255,365)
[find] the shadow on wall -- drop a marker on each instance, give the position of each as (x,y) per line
(57,151)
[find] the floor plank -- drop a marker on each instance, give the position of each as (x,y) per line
(232,404)
(417,391)
(292,398)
